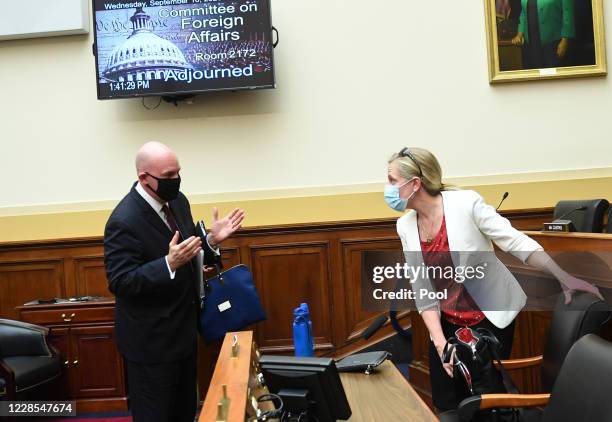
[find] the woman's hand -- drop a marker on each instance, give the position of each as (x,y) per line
(571,285)
(562,48)
(519,39)
(448,367)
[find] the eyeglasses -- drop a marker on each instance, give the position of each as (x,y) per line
(406,153)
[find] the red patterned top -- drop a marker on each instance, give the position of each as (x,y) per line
(458,307)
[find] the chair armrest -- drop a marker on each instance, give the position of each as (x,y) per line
(490,401)
(25,325)
(469,407)
(9,380)
(22,339)
(522,363)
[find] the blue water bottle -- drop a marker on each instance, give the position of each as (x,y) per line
(302,331)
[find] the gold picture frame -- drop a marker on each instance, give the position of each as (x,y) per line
(511,62)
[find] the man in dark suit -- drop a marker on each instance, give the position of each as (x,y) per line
(150,244)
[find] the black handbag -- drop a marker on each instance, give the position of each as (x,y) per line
(476,352)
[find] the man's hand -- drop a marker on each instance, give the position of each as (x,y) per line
(224,228)
(181,253)
(208,271)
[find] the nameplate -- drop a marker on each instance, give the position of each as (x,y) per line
(224,306)
(548,72)
(563,226)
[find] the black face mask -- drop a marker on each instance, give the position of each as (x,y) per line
(167,189)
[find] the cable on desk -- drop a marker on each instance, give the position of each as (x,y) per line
(270,414)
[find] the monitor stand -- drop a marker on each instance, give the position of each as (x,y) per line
(295,404)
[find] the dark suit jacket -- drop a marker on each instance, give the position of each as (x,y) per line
(156,317)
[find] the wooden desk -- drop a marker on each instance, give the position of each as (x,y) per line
(384,395)
(585,242)
(234,383)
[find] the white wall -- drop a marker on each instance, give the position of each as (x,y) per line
(34,18)
(356,81)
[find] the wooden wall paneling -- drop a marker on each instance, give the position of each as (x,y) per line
(230,256)
(69,276)
(531,219)
(23,281)
(90,276)
(538,331)
(357,318)
(419,367)
(287,275)
(522,346)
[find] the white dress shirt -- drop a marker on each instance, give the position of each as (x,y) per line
(157,207)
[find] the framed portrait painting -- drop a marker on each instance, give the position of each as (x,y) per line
(544,39)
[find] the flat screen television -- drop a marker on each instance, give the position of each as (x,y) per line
(181,47)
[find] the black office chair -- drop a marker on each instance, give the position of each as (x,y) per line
(26,360)
(581,391)
(609,223)
(586,215)
(586,314)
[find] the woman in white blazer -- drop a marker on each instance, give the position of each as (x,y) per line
(442,222)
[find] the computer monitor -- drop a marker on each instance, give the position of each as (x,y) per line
(291,376)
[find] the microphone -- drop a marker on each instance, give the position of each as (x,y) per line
(582,208)
(561,225)
(375,326)
(502,200)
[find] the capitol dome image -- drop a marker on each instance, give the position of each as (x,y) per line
(144,55)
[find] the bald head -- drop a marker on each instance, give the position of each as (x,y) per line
(157,160)
(151,154)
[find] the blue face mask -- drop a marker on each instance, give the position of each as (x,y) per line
(392,197)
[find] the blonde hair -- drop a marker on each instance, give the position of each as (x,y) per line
(423,161)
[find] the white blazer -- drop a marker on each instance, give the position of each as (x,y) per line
(471,226)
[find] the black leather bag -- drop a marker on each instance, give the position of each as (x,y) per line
(476,352)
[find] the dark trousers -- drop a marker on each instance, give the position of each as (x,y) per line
(541,56)
(163,392)
(448,392)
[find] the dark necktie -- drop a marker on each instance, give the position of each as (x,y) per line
(170,219)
